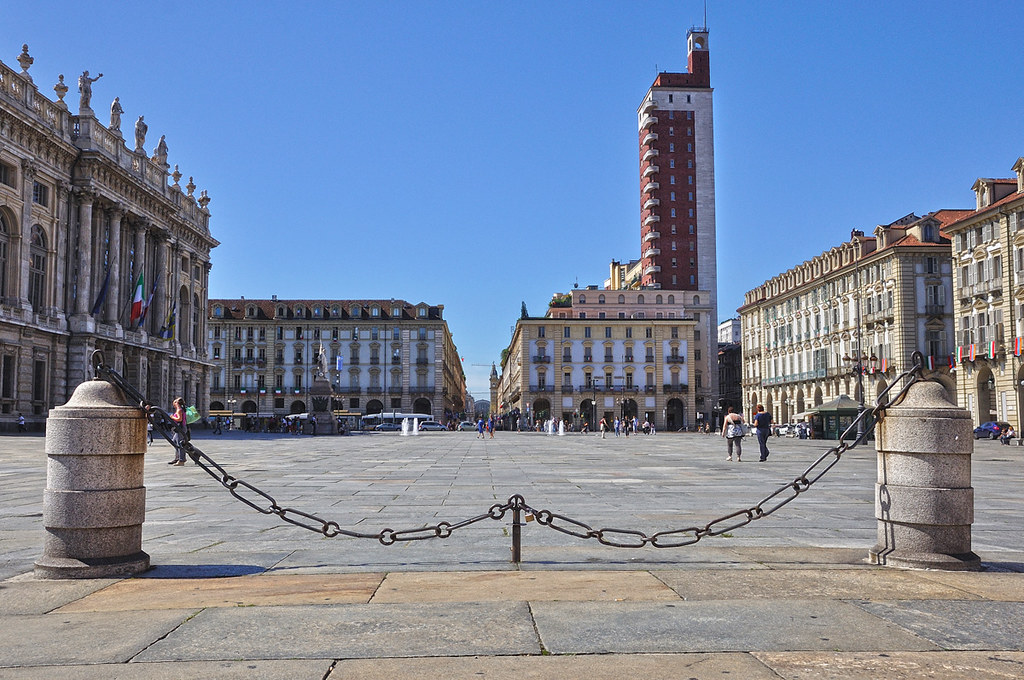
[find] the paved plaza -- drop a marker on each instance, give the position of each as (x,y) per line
(234,593)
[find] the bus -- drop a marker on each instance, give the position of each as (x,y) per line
(372,420)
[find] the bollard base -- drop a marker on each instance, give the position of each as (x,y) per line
(107,567)
(921,560)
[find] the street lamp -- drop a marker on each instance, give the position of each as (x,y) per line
(594,383)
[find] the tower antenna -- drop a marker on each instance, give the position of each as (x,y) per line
(705,15)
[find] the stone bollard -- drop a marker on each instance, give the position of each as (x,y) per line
(94,502)
(924,501)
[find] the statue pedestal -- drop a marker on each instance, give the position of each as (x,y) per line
(320,393)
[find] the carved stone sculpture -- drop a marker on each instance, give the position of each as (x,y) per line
(115,114)
(140,134)
(160,154)
(85,89)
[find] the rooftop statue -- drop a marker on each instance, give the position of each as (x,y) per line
(115,114)
(85,88)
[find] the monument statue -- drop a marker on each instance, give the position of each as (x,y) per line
(115,114)
(321,362)
(140,134)
(160,154)
(85,88)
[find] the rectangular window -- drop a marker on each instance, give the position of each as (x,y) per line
(7,386)
(608,355)
(566,332)
(629,332)
(648,332)
(6,174)
(216,352)
(40,193)
(586,331)
(607,331)
(540,331)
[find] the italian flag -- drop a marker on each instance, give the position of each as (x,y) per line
(138,301)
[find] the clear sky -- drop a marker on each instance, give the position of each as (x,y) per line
(478,155)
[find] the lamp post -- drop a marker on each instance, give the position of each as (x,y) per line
(594,384)
(231,407)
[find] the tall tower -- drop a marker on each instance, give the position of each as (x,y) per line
(677,176)
(677,199)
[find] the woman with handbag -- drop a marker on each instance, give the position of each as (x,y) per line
(732,430)
(180,436)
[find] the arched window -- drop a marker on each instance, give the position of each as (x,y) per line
(282,312)
(184,316)
(600,299)
(696,299)
(622,299)
(37,269)
(657,300)
(671,299)
(355,312)
(583,299)
(639,299)
(5,236)
(298,312)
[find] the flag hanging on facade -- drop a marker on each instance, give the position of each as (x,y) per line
(167,330)
(137,302)
(1017,346)
(98,305)
(149,302)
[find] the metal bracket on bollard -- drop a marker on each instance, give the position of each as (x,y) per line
(517,534)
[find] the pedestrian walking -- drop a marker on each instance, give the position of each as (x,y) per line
(603,427)
(732,430)
(480,428)
(21,423)
(763,425)
(618,426)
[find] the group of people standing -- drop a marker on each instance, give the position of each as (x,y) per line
(733,431)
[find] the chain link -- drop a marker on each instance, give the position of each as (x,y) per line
(264,503)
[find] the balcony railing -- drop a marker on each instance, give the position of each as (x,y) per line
(628,357)
(651,170)
(651,203)
(651,219)
(651,252)
(566,358)
(649,359)
(652,269)
(542,388)
(674,359)
(649,154)
(649,138)
(647,121)
(375,390)
(676,388)
(541,359)
(422,361)
(648,106)
(651,235)
(587,359)
(651,186)
(566,389)
(395,389)
(935,310)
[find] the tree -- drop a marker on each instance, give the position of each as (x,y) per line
(524,314)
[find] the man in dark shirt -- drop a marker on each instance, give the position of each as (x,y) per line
(763,425)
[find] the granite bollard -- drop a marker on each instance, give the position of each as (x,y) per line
(95,502)
(924,501)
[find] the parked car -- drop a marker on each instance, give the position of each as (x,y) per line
(388,427)
(432,426)
(467,427)
(990,430)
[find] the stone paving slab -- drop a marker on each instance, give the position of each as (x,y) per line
(957,624)
(351,631)
(201,670)
(64,639)
(578,667)
(841,584)
(26,595)
(522,586)
(722,626)
(243,591)
(894,665)
(1006,587)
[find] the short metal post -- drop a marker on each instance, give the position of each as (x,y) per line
(517,534)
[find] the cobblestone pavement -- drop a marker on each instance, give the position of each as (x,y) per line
(234,593)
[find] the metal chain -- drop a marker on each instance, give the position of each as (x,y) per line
(263,502)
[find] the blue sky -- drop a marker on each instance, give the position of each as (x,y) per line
(477,155)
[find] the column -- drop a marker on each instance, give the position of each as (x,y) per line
(20,291)
(113,302)
(62,236)
(159,311)
(83,289)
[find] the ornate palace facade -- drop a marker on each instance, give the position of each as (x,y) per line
(84,218)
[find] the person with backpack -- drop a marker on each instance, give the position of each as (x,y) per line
(763,424)
(181,434)
(732,430)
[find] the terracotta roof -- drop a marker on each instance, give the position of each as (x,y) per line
(1015,196)
(267,309)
